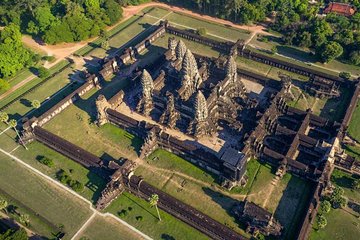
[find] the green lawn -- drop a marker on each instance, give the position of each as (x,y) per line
(232,34)
(59,82)
(354,128)
(164,159)
(252,168)
(302,54)
(341,225)
(31,84)
(92,182)
(150,225)
(344,180)
(109,229)
(353,151)
(47,205)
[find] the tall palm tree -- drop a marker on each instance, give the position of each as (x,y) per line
(13,124)
(24,219)
(35,104)
(3,205)
(153,200)
(4,117)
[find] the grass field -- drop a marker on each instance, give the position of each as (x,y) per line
(211,28)
(168,228)
(92,182)
(342,223)
(330,108)
(107,228)
(302,55)
(31,84)
(47,205)
(354,128)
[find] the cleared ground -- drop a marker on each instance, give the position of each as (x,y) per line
(48,206)
(107,228)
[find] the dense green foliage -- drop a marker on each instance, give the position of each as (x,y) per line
(298,20)
(58,21)
(13,55)
(14,235)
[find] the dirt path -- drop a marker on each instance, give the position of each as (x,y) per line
(270,190)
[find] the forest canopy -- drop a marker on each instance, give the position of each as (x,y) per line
(56,21)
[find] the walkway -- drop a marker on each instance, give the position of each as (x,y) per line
(56,183)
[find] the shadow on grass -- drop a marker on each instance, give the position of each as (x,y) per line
(155,216)
(227,203)
(96,184)
(296,54)
(289,212)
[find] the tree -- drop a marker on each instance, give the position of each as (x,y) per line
(12,234)
(105,45)
(325,206)
(4,117)
(46,161)
(3,204)
(355,57)
(345,75)
(43,72)
(321,221)
(153,200)
(35,104)
(305,39)
(202,31)
(329,51)
(355,184)
(336,198)
(4,85)
(13,123)
(24,219)
(113,10)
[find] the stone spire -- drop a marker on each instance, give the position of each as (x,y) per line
(201,109)
(101,106)
(172,43)
(191,79)
(231,69)
(145,104)
(170,115)
(147,84)
(180,50)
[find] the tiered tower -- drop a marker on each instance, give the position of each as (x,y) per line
(191,79)
(145,104)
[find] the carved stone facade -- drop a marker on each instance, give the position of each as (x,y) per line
(145,104)
(200,126)
(170,115)
(101,106)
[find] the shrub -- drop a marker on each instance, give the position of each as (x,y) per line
(48,58)
(46,161)
(43,72)
(139,218)
(325,206)
(321,221)
(202,31)
(123,213)
(77,186)
(62,176)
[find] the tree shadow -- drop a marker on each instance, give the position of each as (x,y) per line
(297,54)
(165,236)
(25,102)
